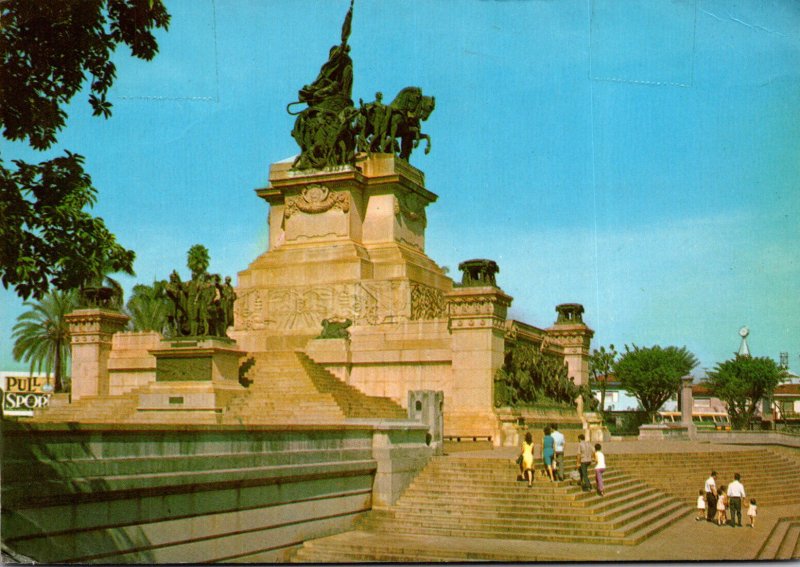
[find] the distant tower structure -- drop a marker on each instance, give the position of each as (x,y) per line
(784,361)
(744,350)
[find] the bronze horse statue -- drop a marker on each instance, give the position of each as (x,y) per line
(379,126)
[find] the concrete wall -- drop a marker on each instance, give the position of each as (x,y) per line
(124,494)
(130,365)
(750,437)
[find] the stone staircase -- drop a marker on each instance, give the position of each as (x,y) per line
(281,392)
(285,387)
(783,541)
(93,409)
(354,403)
(481,498)
(765,473)
(288,387)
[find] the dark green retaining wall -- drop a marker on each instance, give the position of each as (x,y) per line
(139,494)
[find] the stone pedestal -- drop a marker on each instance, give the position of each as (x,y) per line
(477,317)
(346,243)
(427,406)
(663,431)
(687,405)
(575,337)
(91,331)
(193,375)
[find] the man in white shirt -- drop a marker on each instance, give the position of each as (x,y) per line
(558,446)
(735,496)
(711,497)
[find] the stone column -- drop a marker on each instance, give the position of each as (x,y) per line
(575,338)
(427,406)
(91,330)
(687,400)
(687,404)
(477,318)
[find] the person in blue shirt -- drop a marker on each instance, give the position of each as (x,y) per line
(548,451)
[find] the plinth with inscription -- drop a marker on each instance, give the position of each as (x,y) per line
(345,242)
(197,375)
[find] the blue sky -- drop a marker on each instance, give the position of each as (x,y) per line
(641,157)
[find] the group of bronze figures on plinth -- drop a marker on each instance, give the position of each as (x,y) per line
(331,131)
(203,306)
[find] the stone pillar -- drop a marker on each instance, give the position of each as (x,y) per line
(427,406)
(572,334)
(400,452)
(91,331)
(477,318)
(687,401)
(687,405)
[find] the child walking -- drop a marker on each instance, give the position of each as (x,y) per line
(752,511)
(701,506)
(599,468)
(722,517)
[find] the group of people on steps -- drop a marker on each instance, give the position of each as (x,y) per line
(553,444)
(714,502)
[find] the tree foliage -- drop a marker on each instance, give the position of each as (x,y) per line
(41,335)
(198,259)
(653,374)
(148,307)
(530,376)
(741,382)
(50,51)
(601,362)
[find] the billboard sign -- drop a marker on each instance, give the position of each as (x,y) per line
(24,392)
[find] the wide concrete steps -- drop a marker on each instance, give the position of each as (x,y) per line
(768,476)
(94,409)
(783,541)
(280,392)
(361,547)
(354,403)
(481,498)
(287,387)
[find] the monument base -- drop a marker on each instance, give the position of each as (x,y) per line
(189,398)
(665,431)
(198,376)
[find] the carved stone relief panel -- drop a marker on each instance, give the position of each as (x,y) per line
(249,311)
(315,199)
(412,208)
(365,303)
(183,369)
(426,302)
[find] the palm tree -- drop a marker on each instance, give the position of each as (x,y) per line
(41,335)
(148,307)
(197,259)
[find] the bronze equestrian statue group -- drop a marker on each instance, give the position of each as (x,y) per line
(331,131)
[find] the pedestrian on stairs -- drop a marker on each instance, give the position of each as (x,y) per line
(735,496)
(558,443)
(548,452)
(599,468)
(585,454)
(711,497)
(527,458)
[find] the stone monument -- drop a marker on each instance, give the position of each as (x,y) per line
(345,283)
(197,364)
